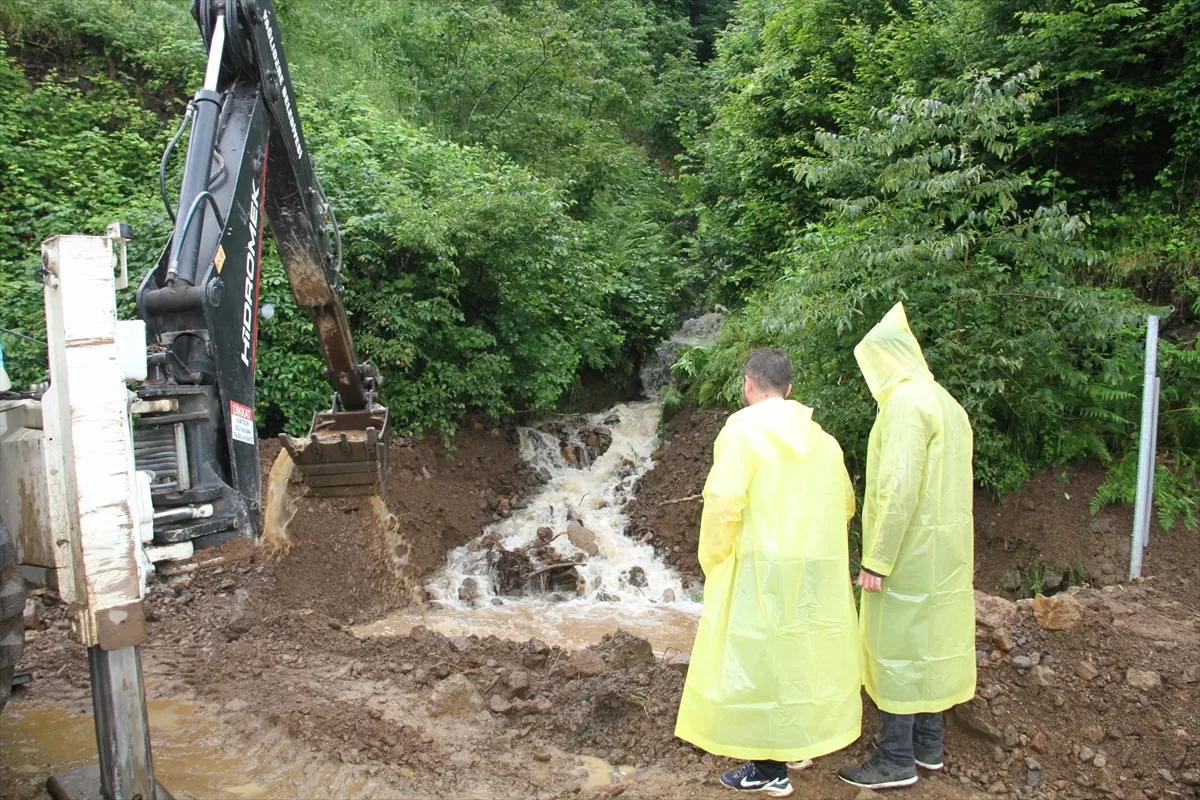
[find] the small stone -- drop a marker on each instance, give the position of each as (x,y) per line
(587,664)
(518,683)
(1087,671)
(1010,581)
(1144,679)
(542,757)
(499,705)
(997,788)
(866,794)
(1060,612)
(1041,676)
(1003,640)
(1191,674)
(1022,662)
(582,538)
(236,706)
(1189,778)
(1100,761)
(669,597)
(1086,754)
(455,696)
(680,662)
(1012,736)
(976,717)
(1166,775)
(32,614)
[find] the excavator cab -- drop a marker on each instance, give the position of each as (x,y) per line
(345,453)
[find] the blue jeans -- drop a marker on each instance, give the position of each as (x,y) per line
(904,738)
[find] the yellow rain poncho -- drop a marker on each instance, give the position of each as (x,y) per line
(774,672)
(918,531)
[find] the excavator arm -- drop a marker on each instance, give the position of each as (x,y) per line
(247,163)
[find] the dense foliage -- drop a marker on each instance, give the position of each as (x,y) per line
(495,167)
(1021,174)
(531,191)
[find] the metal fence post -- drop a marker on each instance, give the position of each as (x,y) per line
(1147,452)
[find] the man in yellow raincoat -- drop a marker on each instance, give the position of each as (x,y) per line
(775,669)
(918,603)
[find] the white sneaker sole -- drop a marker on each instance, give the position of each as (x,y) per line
(930,767)
(768,792)
(884,785)
(800,766)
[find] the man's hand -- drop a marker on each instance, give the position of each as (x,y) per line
(869,582)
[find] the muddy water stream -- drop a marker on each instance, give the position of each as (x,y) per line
(623,584)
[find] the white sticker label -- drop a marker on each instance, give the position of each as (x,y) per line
(243,422)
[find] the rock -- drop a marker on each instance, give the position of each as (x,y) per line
(499,705)
(1022,662)
(976,718)
(1191,674)
(587,664)
(1062,612)
(1010,581)
(1053,579)
(462,760)
(236,706)
(1012,736)
(238,627)
(32,614)
(1166,775)
(866,794)
(994,612)
(545,534)
(1003,640)
(1100,761)
(1086,754)
(680,662)
(1087,671)
(997,788)
(455,696)
(632,651)
(460,643)
(1189,778)
(469,591)
(636,577)
(1144,679)
(582,538)
(518,683)
(542,757)
(669,597)
(1033,779)
(1041,676)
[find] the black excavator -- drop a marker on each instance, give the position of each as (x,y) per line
(246,163)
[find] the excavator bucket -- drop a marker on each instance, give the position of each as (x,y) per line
(345,453)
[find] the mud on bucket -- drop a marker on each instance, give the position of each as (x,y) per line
(345,453)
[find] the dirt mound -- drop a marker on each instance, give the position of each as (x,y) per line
(342,561)
(680,470)
(1108,708)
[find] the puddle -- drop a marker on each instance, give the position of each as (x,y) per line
(39,739)
(601,774)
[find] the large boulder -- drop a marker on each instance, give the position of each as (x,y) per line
(456,696)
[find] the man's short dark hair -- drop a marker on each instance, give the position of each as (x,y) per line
(770,369)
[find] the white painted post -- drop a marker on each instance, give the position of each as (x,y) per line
(88,420)
(1147,452)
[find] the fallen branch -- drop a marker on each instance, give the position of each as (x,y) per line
(193,566)
(689,499)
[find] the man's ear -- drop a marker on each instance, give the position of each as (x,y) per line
(788,393)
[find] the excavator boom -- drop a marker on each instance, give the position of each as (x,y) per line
(247,163)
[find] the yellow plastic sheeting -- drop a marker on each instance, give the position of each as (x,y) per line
(918,531)
(775,669)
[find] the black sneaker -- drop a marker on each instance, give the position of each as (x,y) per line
(751,779)
(931,761)
(874,774)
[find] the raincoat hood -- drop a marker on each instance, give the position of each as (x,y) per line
(785,421)
(889,353)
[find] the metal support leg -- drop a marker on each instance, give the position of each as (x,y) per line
(122,728)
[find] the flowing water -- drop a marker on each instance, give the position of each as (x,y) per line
(624,585)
